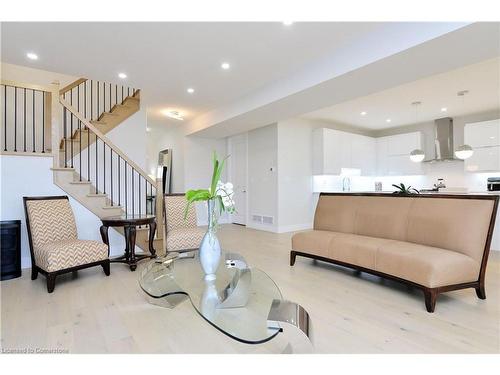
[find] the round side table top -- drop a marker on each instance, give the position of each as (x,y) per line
(127,219)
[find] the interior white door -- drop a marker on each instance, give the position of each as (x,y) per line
(239,178)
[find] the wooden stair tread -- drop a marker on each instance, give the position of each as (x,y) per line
(81,183)
(111,207)
(62,169)
(96,195)
(97,122)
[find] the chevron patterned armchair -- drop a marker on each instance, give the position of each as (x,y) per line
(54,244)
(181,234)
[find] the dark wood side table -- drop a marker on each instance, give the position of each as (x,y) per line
(129,223)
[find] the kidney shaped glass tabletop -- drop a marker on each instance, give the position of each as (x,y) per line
(244,303)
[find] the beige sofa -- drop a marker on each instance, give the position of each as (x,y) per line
(435,242)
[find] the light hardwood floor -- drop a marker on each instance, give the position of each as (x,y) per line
(350,314)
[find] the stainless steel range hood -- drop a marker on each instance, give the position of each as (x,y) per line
(443,142)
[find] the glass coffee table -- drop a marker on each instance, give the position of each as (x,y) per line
(243,303)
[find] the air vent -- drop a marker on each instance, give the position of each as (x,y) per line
(257,218)
(267,219)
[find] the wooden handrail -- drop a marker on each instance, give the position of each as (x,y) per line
(72,85)
(106,140)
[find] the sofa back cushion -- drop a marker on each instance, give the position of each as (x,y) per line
(456,224)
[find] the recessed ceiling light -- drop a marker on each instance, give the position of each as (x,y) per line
(363,113)
(32,56)
(225,66)
(287,23)
(388,120)
(174,114)
(190,90)
(444,109)
(122,75)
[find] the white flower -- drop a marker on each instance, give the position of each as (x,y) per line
(226,192)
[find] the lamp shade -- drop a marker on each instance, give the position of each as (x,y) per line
(464,152)
(417,156)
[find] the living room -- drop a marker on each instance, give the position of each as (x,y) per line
(332,189)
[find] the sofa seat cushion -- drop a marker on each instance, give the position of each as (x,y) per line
(184,238)
(60,255)
(356,249)
(316,242)
(426,265)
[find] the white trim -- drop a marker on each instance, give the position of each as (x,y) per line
(264,227)
(294,227)
(230,140)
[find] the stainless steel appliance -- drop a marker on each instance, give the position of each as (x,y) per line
(493,184)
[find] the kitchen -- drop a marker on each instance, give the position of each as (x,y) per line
(447,141)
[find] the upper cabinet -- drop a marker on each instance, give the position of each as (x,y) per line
(482,134)
(334,150)
(393,154)
(484,138)
(384,156)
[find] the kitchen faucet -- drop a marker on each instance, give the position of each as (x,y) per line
(440,184)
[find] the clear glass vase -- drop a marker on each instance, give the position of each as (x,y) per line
(210,251)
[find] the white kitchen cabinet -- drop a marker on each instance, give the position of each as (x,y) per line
(334,150)
(363,154)
(484,159)
(384,156)
(393,154)
(484,138)
(482,134)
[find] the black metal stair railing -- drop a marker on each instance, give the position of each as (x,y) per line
(98,161)
(23,121)
(97,97)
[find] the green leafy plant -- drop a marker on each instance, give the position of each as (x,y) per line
(218,191)
(402,189)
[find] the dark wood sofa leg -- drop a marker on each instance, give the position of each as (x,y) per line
(51,282)
(430,299)
(106,268)
(293,255)
(34,273)
(480,291)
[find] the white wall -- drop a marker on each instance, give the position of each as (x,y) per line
(198,168)
(31,176)
(263,176)
(24,74)
(160,138)
(294,175)
(191,160)
(130,137)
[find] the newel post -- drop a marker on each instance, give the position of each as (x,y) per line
(54,115)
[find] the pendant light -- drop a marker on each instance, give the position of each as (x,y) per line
(417,155)
(463,151)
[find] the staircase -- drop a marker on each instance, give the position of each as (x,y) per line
(94,171)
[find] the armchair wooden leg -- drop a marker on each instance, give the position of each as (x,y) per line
(51,282)
(34,273)
(106,268)
(292,257)
(480,291)
(430,299)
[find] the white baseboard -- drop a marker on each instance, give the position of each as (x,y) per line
(294,227)
(264,227)
(280,229)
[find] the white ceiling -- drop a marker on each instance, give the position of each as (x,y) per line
(482,80)
(164,59)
